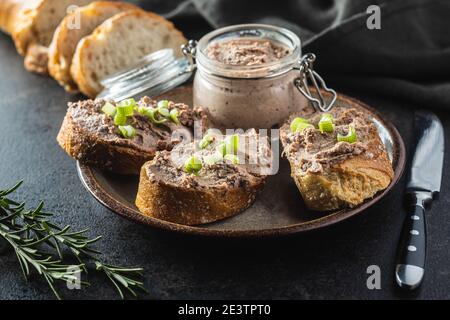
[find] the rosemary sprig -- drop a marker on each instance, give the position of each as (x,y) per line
(30,232)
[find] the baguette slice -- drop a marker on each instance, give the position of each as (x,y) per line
(32,24)
(66,37)
(10,11)
(119,42)
(219,190)
(332,175)
(90,136)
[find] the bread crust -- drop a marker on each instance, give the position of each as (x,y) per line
(347,183)
(19,18)
(63,45)
(87,148)
(191,206)
(80,62)
(36,59)
(10,13)
(20,22)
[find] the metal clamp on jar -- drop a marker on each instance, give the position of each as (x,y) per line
(255,95)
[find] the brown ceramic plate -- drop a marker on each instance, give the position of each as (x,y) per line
(278,210)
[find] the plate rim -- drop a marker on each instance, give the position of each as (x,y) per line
(89,181)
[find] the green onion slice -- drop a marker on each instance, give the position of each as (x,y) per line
(151,114)
(296,122)
(174,116)
(232,158)
(213,158)
(164,112)
(192,165)
(302,126)
(326,123)
(232,144)
(206,141)
(351,136)
(142,110)
(126,107)
(120,119)
(162,107)
(163,104)
(109,109)
(127,131)
(222,149)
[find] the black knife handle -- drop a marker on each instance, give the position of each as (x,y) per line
(411,254)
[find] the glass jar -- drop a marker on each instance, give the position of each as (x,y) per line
(249,96)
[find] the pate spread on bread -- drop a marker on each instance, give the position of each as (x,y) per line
(218,185)
(332,174)
(92,136)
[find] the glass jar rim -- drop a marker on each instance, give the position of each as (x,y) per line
(214,67)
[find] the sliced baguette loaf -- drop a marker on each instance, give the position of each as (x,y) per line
(330,174)
(119,42)
(32,24)
(66,37)
(9,13)
(220,189)
(91,137)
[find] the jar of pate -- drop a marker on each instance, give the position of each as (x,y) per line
(245,76)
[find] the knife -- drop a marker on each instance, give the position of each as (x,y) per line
(423,184)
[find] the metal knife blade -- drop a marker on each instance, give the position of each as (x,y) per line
(428,159)
(424,181)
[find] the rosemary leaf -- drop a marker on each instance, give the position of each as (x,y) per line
(30,232)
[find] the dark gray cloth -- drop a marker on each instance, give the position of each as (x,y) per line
(407,59)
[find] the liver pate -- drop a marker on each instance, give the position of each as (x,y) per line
(252,94)
(88,116)
(313,151)
(169,166)
(246,52)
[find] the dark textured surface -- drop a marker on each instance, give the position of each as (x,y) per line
(327,264)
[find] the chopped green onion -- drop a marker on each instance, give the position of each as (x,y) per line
(163,108)
(127,131)
(213,158)
(151,114)
(142,110)
(351,136)
(126,107)
(232,144)
(326,123)
(128,102)
(192,165)
(232,158)
(222,149)
(206,141)
(296,122)
(327,116)
(229,146)
(164,112)
(109,109)
(163,104)
(302,126)
(120,119)
(174,116)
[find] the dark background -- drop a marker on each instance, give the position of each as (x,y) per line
(403,66)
